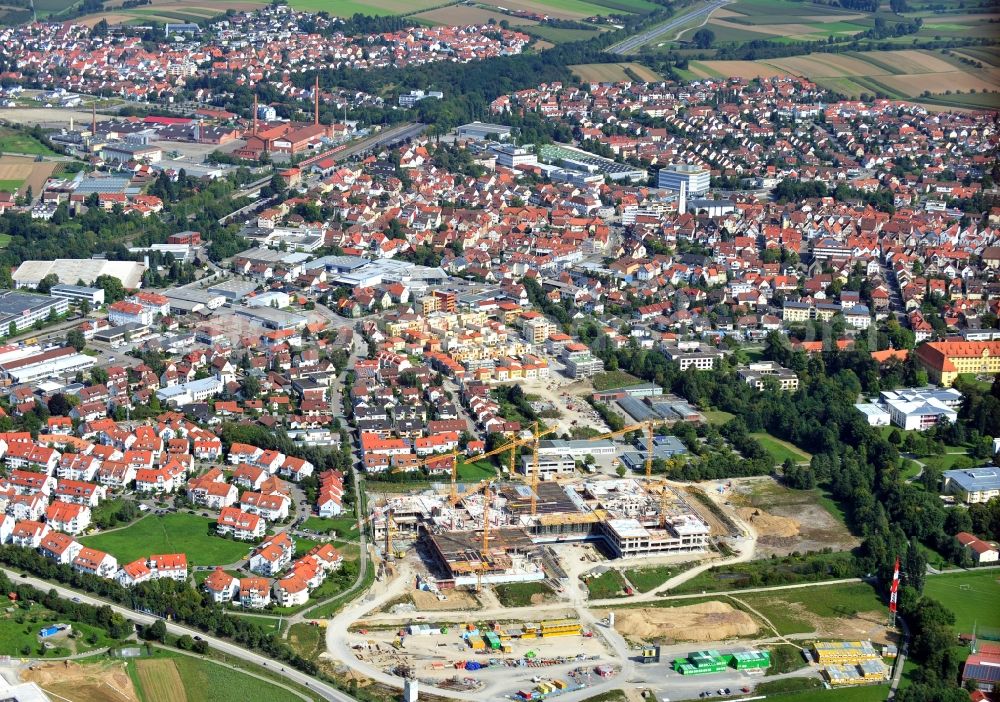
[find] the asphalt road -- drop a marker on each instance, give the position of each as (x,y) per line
(325,691)
(633,43)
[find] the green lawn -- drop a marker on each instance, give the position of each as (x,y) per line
(875,693)
(342,526)
(609,584)
(19,627)
(771,572)
(780,450)
(172,533)
(474,472)
(10,186)
(972,596)
(827,601)
(651,577)
(5,240)
(272,625)
(520,594)
(717,416)
(13,141)
(614,379)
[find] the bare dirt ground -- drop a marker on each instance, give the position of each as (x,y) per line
(768,525)
(51,117)
(718,528)
(457,599)
(100,682)
(782,507)
(706,621)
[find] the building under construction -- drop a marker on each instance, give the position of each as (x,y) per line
(628,517)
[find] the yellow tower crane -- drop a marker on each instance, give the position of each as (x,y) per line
(647,426)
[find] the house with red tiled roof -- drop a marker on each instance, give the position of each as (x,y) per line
(221,586)
(240,524)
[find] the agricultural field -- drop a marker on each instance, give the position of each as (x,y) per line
(558,35)
(21,172)
(172,533)
(780,20)
(614,73)
(574,9)
(469,14)
(972,596)
(180,678)
(897,74)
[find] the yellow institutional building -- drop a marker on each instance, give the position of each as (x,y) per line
(944,361)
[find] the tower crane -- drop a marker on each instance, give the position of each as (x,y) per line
(511,446)
(648,427)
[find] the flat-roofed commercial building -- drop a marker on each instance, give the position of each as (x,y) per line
(696,178)
(22,310)
(79,293)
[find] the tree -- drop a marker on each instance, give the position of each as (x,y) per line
(113,288)
(46,283)
(704,38)
(157,631)
(74,338)
(59,406)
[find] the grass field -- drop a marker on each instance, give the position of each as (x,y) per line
(575,9)
(614,379)
(608,584)
(522,594)
(558,35)
(615,73)
(796,611)
(780,450)
(177,678)
(17,142)
(651,577)
(876,693)
(342,526)
(173,533)
(972,596)
(717,416)
(769,572)
(160,680)
(19,629)
(307,640)
(10,185)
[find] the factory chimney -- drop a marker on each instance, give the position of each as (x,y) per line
(254,132)
(316,103)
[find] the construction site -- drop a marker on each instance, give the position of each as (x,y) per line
(497,533)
